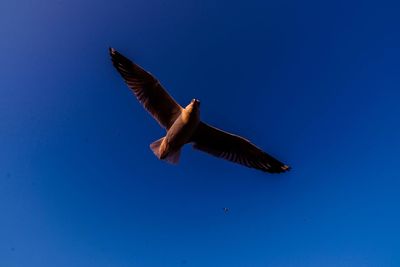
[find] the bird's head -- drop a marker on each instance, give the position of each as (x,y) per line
(195,102)
(194,106)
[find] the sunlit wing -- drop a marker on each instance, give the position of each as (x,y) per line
(147,89)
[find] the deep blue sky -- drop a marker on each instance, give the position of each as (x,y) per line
(314,83)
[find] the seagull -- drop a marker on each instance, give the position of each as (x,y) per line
(226,210)
(183,124)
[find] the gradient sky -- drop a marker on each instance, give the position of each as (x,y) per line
(314,83)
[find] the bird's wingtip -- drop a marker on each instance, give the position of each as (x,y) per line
(285,168)
(112,50)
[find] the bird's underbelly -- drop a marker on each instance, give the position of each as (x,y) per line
(181,132)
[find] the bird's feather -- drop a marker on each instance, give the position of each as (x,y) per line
(147,89)
(234,148)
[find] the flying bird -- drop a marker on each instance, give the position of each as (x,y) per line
(183,124)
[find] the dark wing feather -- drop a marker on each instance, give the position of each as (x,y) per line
(147,89)
(234,148)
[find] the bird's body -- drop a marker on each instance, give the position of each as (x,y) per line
(183,125)
(179,133)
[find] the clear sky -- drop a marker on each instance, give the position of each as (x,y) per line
(314,83)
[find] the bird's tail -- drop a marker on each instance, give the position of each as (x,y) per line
(171,157)
(155,147)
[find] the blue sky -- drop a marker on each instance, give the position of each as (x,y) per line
(314,83)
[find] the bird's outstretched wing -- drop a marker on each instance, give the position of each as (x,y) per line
(234,148)
(147,89)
